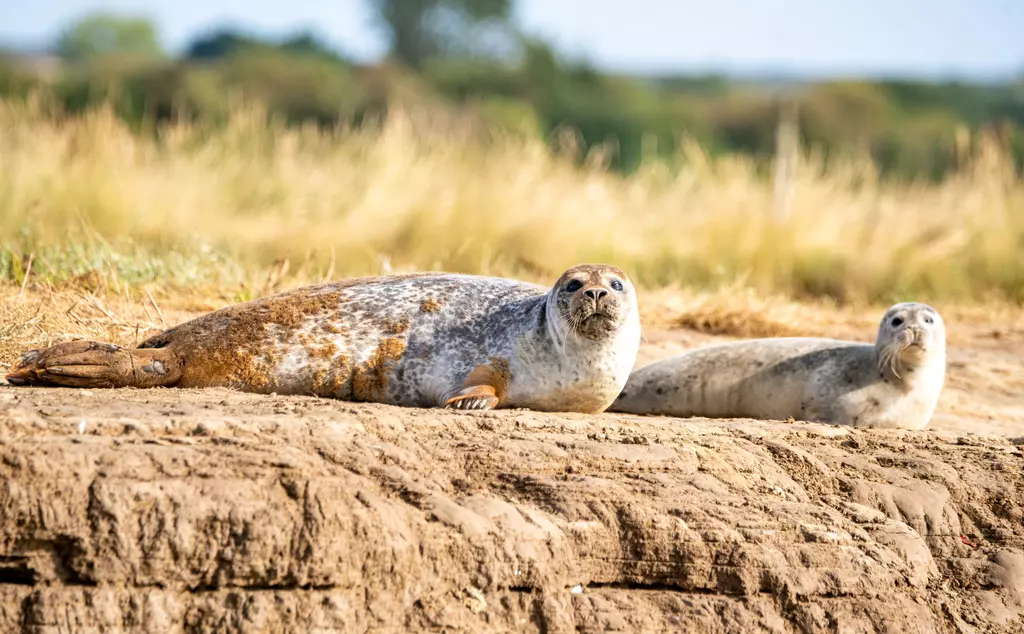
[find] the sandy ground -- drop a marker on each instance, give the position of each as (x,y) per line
(211,511)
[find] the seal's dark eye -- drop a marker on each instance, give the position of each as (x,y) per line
(573,286)
(928,319)
(896,321)
(617,285)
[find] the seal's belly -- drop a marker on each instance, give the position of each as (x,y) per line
(578,398)
(550,386)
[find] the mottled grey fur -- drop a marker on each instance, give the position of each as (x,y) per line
(894,383)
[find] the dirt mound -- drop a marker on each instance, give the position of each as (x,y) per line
(212,511)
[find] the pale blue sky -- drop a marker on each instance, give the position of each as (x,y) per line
(921,37)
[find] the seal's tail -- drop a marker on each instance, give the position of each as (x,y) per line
(96,365)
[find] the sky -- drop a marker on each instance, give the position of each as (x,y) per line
(929,38)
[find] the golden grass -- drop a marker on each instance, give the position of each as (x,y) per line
(250,206)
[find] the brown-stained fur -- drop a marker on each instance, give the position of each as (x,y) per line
(430,305)
(396,326)
(370,380)
(336,381)
(230,354)
(324,351)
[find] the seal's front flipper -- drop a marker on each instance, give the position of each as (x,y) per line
(483,388)
(95,365)
(476,397)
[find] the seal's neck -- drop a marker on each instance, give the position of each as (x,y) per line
(553,326)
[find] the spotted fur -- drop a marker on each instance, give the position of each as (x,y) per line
(421,340)
(894,383)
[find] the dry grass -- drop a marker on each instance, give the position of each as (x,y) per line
(48,315)
(250,206)
(733,312)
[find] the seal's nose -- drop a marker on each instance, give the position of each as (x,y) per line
(917,335)
(595,293)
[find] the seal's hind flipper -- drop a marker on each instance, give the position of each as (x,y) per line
(476,397)
(95,365)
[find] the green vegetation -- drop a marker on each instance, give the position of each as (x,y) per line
(104,34)
(463,57)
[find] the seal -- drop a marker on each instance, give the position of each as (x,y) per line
(894,383)
(418,340)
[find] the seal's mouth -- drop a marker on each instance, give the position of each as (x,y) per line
(593,323)
(914,340)
(584,318)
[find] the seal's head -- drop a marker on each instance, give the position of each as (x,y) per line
(592,301)
(910,336)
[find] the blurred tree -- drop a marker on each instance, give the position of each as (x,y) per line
(227,42)
(699,85)
(217,44)
(844,115)
(307,44)
(102,34)
(422,29)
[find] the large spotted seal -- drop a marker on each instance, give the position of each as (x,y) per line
(894,383)
(420,340)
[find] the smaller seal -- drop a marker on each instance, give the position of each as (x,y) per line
(415,340)
(894,383)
